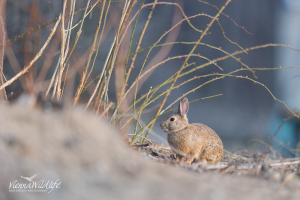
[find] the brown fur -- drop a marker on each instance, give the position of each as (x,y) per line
(196,142)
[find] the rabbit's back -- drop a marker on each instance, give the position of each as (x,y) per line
(204,132)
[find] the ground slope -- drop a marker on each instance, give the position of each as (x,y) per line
(92,162)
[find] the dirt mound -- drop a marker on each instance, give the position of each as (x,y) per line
(90,161)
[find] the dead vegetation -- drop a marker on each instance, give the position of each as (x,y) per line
(279,170)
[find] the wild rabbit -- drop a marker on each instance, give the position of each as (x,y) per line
(195,142)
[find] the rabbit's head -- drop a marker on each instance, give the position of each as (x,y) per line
(178,121)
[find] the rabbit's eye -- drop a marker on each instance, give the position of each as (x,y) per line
(172,119)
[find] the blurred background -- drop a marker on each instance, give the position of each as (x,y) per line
(244,112)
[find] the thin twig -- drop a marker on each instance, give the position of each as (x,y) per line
(283,122)
(62,91)
(2,58)
(242,27)
(107,109)
(26,68)
(92,49)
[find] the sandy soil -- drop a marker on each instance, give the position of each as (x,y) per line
(92,162)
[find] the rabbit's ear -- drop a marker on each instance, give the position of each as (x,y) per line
(183,106)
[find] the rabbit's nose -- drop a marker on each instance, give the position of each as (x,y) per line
(163,127)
